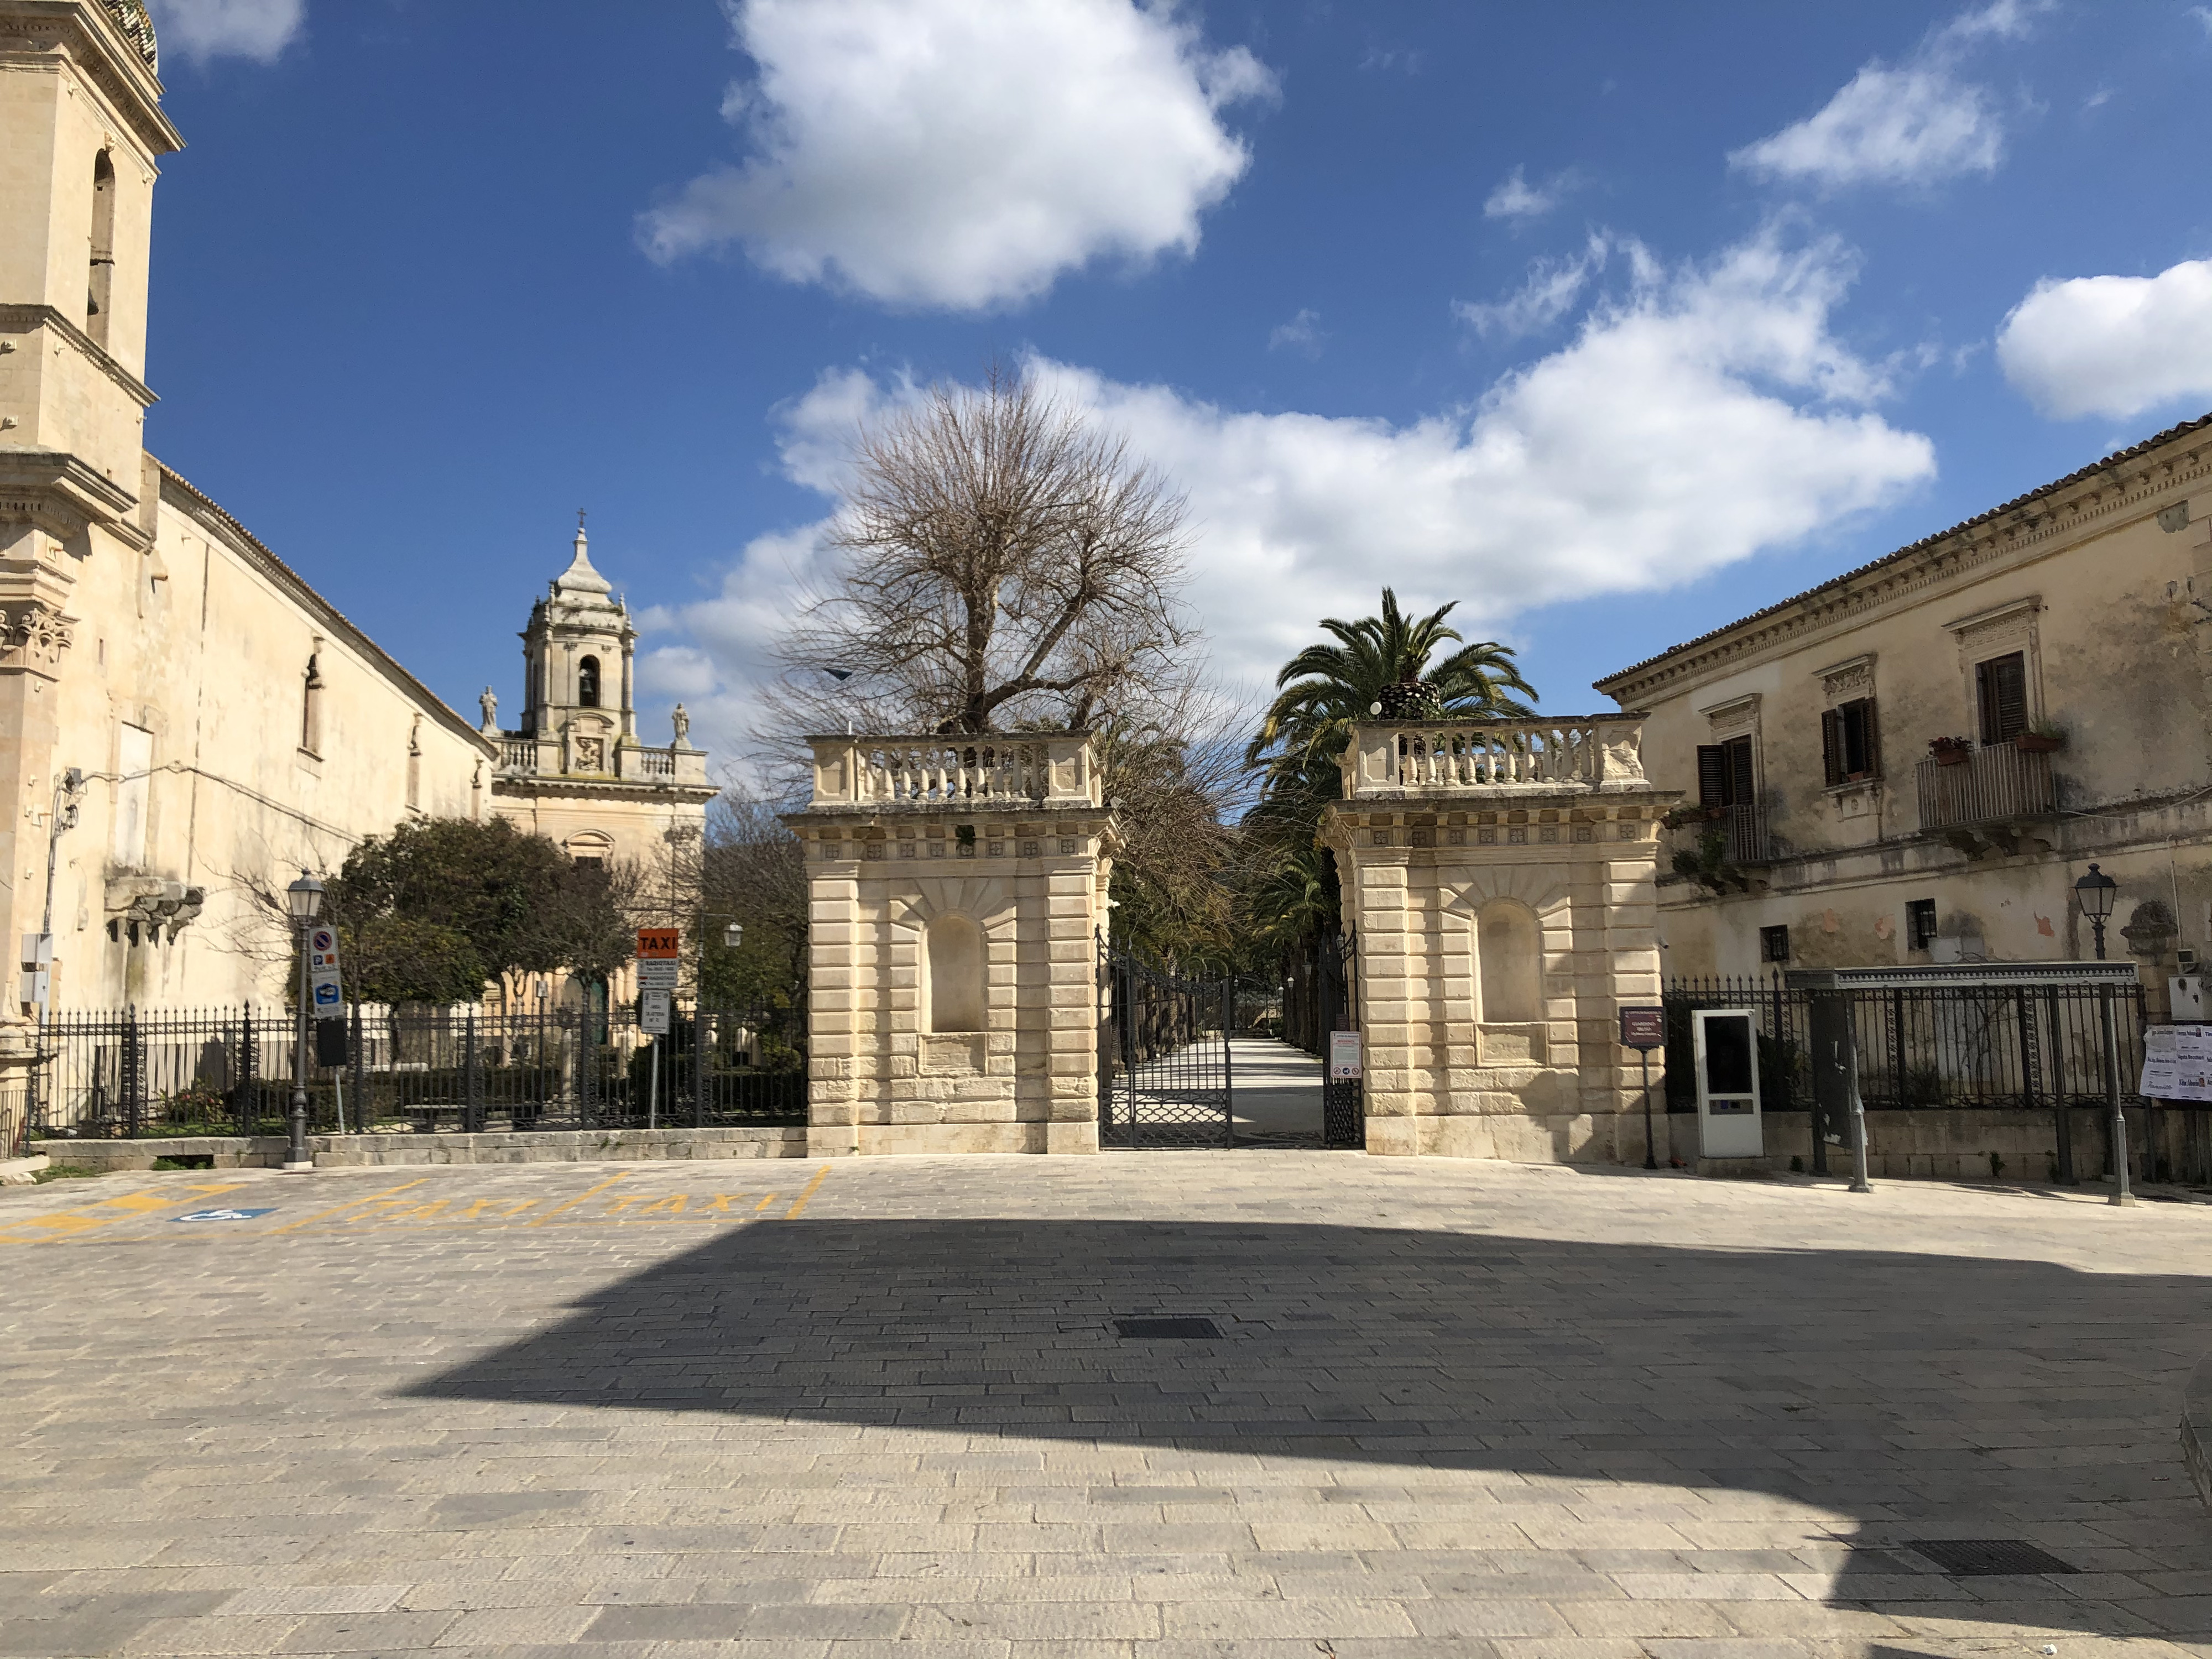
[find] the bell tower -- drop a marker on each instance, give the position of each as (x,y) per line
(81,132)
(82,127)
(577,669)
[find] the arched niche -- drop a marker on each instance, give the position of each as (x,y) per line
(953,964)
(1509,964)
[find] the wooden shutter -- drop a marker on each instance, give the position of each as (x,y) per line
(1738,767)
(1873,737)
(2000,686)
(1713,775)
(1831,746)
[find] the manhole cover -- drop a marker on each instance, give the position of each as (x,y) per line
(1982,1558)
(1203,1329)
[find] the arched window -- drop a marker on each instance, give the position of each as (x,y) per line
(955,970)
(97,293)
(1509,958)
(587,683)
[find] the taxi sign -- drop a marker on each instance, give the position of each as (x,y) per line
(664,944)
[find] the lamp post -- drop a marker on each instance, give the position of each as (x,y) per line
(2095,893)
(304,899)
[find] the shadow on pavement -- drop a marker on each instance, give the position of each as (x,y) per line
(1927,1397)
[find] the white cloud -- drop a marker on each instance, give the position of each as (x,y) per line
(1704,416)
(1517,198)
(2112,345)
(1901,126)
(1303,332)
(201,29)
(1554,288)
(1916,124)
(964,154)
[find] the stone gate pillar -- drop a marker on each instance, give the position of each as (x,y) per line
(1501,878)
(957,886)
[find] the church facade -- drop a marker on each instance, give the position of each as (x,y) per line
(184,723)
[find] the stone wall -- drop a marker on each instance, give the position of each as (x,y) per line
(956,893)
(1499,878)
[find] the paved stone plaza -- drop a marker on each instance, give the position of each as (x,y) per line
(1453,1408)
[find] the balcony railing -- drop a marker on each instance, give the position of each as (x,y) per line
(935,771)
(1744,831)
(521,754)
(1455,758)
(1991,785)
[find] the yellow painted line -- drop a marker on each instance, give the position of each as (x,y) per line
(579,1199)
(68,1224)
(765,1202)
(820,1176)
(351,1203)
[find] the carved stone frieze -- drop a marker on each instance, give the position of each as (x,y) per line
(33,635)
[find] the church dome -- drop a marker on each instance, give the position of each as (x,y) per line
(137,28)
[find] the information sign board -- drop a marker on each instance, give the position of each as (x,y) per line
(659,944)
(322,949)
(2176,1062)
(1343,1055)
(653,1008)
(657,974)
(1644,1029)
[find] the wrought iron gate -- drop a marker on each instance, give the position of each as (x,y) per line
(1168,1075)
(1344,1100)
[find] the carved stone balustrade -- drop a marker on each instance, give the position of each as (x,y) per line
(1592,751)
(1023,771)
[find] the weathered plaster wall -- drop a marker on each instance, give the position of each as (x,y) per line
(2097,581)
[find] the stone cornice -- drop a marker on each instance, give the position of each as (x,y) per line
(15,318)
(30,30)
(54,489)
(525,786)
(177,492)
(2130,485)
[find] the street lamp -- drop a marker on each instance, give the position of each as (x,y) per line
(734,936)
(2095,893)
(304,899)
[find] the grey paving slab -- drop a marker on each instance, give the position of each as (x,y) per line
(1454,1408)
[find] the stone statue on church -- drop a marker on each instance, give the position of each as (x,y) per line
(489,703)
(682,723)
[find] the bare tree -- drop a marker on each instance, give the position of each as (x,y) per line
(1007,564)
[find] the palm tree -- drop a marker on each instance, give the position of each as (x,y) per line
(1379,665)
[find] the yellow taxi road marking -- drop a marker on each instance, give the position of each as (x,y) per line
(591,1191)
(69,1223)
(765,1202)
(367,1198)
(820,1176)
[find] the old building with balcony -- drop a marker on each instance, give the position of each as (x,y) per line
(1914,762)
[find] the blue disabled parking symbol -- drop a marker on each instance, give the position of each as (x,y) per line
(224,1215)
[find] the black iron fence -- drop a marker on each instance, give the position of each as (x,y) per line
(229,1072)
(1321,995)
(1993,1048)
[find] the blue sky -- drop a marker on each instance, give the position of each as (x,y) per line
(1611,321)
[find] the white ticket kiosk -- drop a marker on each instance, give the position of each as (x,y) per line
(1728,1084)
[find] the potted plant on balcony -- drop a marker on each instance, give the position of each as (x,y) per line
(2042,738)
(1682,817)
(1950,751)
